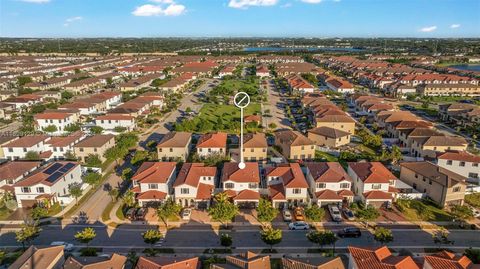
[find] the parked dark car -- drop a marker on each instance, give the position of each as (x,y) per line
(130,214)
(141,213)
(349,232)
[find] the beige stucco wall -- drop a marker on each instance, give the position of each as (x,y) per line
(100,151)
(254,154)
(348,127)
(168,153)
(321,140)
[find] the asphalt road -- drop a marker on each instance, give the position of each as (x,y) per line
(121,239)
(278,114)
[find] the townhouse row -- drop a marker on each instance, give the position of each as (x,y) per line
(287,185)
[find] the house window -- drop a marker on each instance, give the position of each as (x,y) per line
(475,164)
(10,149)
(462,163)
(160,150)
(473,175)
(252,185)
(26,189)
(416,176)
(376,186)
(449,162)
(40,190)
(81,149)
(229,185)
(430,182)
(321,185)
(171,149)
(153,186)
(344,185)
(252,150)
(24,149)
(456,189)
(184,190)
(265,150)
(297,191)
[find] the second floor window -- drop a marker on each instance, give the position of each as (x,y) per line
(456,189)
(229,185)
(297,191)
(449,162)
(473,175)
(462,163)
(184,190)
(40,190)
(321,185)
(26,189)
(252,185)
(344,186)
(376,186)
(153,186)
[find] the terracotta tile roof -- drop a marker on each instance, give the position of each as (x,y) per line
(251,172)
(63,141)
(445,141)
(313,263)
(94,141)
(168,263)
(327,172)
(276,192)
(328,195)
(116,261)
(247,195)
(154,172)
(346,193)
(380,258)
(328,132)
(190,174)
(291,175)
(292,138)
(52,115)
(26,141)
(257,140)
(35,257)
(204,191)
(213,140)
(41,175)
(459,156)
(151,195)
(13,170)
(377,195)
(252,118)
(371,172)
(175,139)
(448,260)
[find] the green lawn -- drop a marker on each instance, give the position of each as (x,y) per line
(212,112)
(473,199)
(416,210)
(4,213)
(323,156)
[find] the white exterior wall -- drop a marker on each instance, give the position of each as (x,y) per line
(19,153)
(461,170)
(111,124)
(59,189)
(60,124)
(204,152)
(240,186)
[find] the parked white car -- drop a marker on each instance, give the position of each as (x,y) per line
(298,225)
(67,246)
(287,215)
(186,214)
(335,213)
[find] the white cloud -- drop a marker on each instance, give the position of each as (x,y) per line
(454,26)
(428,29)
(68,21)
(157,10)
(36,1)
(248,3)
(312,1)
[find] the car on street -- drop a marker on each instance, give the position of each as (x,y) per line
(298,225)
(335,213)
(287,215)
(349,232)
(298,213)
(348,214)
(67,246)
(141,213)
(130,214)
(187,212)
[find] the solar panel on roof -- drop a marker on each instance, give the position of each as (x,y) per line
(53,168)
(55,176)
(67,167)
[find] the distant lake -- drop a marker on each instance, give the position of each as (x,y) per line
(466,67)
(281,49)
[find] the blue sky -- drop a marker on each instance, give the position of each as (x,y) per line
(240,18)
